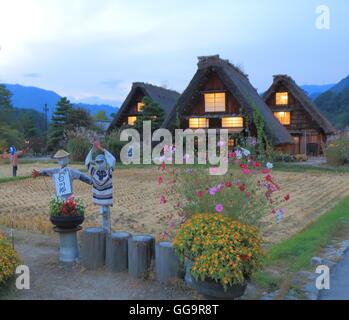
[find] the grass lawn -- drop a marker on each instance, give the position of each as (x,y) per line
(295,253)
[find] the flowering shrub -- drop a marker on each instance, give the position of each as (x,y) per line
(72,207)
(247,192)
(221,248)
(9,259)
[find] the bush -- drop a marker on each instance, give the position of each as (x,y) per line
(221,248)
(78,147)
(114,145)
(337,152)
(9,259)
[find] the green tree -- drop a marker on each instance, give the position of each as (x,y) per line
(27,127)
(5,104)
(150,111)
(78,118)
(100,116)
(59,124)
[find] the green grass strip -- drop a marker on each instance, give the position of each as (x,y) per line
(296,252)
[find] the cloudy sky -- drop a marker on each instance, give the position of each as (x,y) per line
(88,49)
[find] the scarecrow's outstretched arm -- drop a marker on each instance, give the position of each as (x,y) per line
(88,161)
(110,159)
(75,174)
(48,172)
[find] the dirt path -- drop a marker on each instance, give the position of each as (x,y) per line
(49,280)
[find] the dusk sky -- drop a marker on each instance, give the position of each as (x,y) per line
(87,48)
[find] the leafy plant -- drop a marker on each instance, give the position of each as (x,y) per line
(220,247)
(9,259)
(337,151)
(72,207)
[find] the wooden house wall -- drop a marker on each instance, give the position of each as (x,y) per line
(131,108)
(302,125)
(197,106)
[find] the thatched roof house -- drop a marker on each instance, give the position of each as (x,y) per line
(299,115)
(130,108)
(213,76)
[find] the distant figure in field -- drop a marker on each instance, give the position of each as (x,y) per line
(13,156)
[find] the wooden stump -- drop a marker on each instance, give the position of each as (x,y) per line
(93,248)
(167,264)
(140,253)
(116,259)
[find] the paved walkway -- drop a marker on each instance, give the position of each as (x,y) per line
(339,281)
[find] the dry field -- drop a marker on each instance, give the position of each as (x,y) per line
(137,209)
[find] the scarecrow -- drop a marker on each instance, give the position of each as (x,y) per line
(13,156)
(101,174)
(63,176)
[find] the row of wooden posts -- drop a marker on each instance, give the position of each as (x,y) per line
(121,252)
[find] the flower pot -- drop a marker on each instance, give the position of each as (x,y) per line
(213,289)
(67,222)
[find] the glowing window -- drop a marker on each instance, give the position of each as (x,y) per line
(140,105)
(296,139)
(131,120)
(215,102)
(198,123)
(232,122)
(282,98)
(231,142)
(283,117)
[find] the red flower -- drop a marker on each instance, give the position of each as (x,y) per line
(228,184)
(243,166)
(232,155)
(268,178)
(256,164)
(287,197)
(163,199)
(163,165)
(265,170)
(248,194)
(199,194)
(160,180)
(242,188)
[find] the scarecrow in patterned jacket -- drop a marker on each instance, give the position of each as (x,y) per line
(101,174)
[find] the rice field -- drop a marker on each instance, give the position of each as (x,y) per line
(137,207)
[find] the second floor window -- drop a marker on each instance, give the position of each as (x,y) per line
(195,123)
(131,120)
(283,117)
(215,102)
(232,122)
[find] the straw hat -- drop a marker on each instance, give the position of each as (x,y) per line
(61,154)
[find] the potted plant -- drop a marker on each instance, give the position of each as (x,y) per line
(66,214)
(223,254)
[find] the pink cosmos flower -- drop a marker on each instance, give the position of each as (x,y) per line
(212,191)
(172,224)
(219,207)
(265,170)
(220,143)
(160,180)
(199,194)
(163,199)
(245,171)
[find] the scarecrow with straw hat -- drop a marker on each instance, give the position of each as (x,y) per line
(101,172)
(63,176)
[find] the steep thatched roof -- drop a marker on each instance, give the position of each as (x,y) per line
(238,84)
(165,98)
(303,98)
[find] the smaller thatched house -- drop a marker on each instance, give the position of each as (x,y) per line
(219,96)
(132,105)
(298,114)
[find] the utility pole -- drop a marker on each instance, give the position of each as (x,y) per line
(46,109)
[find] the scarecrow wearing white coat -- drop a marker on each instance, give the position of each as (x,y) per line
(63,176)
(101,174)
